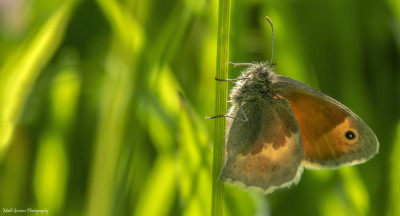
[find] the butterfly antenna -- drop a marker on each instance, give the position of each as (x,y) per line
(272,28)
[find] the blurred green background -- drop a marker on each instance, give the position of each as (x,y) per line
(102,103)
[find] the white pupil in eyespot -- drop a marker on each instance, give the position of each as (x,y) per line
(350,135)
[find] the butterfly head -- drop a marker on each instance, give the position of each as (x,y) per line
(256,85)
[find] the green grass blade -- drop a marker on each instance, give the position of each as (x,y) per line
(21,69)
(113,111)
(394,208)
(220,106)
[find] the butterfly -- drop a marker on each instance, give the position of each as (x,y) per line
(277,126)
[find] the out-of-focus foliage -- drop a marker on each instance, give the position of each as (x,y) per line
(102,103)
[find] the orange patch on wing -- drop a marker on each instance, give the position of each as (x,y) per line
(332,144)
(269,167)
(316,122)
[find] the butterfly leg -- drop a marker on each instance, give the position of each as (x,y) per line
(219,116)
(237,79)
(232,80)
(227,116)
(244,114)
(241,64)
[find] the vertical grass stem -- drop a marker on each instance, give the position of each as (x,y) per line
(220,105)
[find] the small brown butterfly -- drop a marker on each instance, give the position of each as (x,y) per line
(276,126)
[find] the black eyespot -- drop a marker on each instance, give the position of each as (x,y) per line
(350,135)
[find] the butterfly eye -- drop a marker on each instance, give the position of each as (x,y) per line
(263,76)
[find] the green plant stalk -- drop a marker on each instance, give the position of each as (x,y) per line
(221,94)
(20,70)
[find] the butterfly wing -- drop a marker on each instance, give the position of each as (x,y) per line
(332,135)
(265,151)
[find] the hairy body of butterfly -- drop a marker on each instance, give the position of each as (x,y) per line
(281,125)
